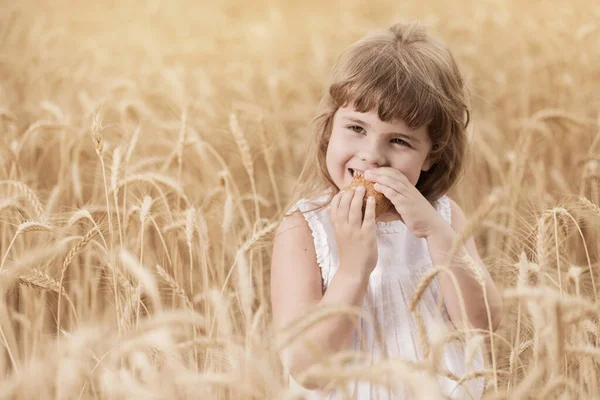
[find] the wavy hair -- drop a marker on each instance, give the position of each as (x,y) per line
(405,74)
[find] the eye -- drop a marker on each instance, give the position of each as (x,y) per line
(357,129)
(400,142)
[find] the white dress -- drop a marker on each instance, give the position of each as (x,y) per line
(403,260)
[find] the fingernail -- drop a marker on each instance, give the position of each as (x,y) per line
(360,189)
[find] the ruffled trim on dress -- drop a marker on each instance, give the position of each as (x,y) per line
(310,212)
(443,207)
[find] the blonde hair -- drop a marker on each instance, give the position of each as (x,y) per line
(404,74)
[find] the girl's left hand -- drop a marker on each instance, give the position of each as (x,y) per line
(419,216)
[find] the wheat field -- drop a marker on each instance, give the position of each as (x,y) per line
(149,148)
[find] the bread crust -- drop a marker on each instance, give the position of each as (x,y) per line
(382,203)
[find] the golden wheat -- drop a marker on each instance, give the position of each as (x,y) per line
(205,132)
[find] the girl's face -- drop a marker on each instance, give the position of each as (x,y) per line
(361,141)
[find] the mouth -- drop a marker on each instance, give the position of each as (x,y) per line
(354,172)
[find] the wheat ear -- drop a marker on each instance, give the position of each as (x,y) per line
(29,226)
(30,196)
(36,278)
(70,256)
(268,154)
(242,143)
(96,134)
(178,290)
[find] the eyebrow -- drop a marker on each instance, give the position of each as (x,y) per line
(359,121)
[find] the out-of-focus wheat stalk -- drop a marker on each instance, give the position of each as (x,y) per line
(180,149)
(187,110)
(268,154)
(96,128)
(29,226)
(70,256)
(242,143)
(114,184)
(144,213)
(29,195)
(128,155)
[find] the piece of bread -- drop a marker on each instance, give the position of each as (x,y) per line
(382,204)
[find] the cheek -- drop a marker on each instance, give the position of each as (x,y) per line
(412,172)
(332,159)
(337,149)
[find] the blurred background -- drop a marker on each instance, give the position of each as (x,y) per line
(148,149)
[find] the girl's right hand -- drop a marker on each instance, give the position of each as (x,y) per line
(356,237)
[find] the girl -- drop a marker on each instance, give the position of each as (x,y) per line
(396,112)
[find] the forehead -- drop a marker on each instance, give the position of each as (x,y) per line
(372,118)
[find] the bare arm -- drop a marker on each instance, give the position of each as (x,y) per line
(471,290)
(296,289)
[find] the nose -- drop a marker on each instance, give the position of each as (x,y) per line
(372,155)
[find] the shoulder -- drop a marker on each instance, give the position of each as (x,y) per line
(294,238)
(295,275)
(294,222)
(294,241)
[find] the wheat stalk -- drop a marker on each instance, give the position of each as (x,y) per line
(96,129)
(114,181)
(145,278)
(29,226)
(225,174)
(190,228)
(70,256)
(30,196)
(75,178)
(585,248)
(269,161)
(130,148)
(240,139)
(53,199)
(178,290)
(130,306)
(36,278)
(153,179)
(588,205)
(242,263)
(6,204)
(180,150)
(144,213)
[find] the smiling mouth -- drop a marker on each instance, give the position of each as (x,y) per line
(354,172)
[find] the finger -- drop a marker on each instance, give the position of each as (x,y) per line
(369,221)
(390,177)
(391,181)
(355,215)
(387,171)
(396,198)
(344,207)
(334,205)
